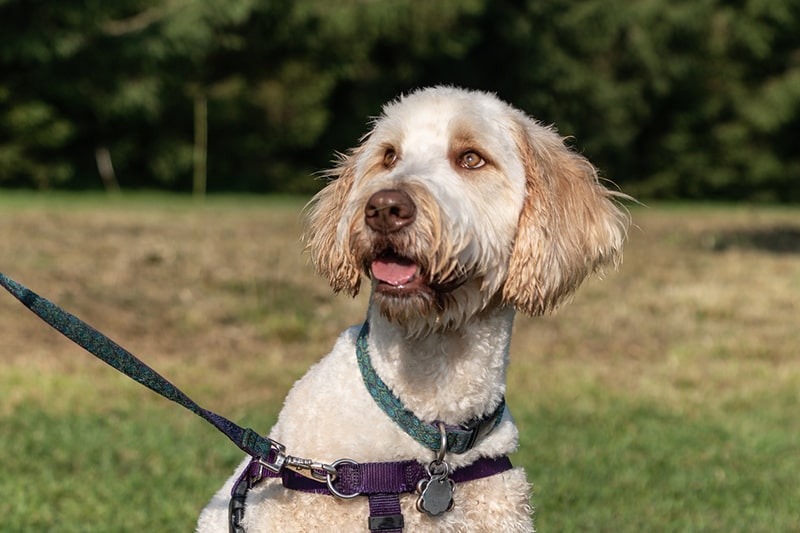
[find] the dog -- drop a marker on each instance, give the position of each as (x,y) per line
(459,210)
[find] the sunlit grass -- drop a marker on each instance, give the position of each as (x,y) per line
(663,398)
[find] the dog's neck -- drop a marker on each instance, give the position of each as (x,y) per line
(452,376)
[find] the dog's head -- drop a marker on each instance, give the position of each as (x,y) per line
(455,202)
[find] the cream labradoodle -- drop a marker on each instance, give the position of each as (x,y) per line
(458,210)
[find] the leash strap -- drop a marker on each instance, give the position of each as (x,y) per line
(113,354)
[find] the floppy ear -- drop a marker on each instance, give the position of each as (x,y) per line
(570,225)
(330,252)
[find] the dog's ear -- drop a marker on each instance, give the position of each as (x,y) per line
(329,248)
(570,225)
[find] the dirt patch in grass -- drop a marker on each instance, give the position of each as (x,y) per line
(212,295)
(219,297)
(783,239)
(682,323)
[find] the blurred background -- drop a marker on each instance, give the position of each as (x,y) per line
(663,398)
(671,99)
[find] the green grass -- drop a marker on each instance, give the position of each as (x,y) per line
(115,457)
(664,398)
(628,466)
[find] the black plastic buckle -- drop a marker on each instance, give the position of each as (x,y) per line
(386,522)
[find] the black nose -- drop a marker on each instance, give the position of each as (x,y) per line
(389,210)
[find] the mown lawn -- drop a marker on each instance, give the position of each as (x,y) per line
(664,398)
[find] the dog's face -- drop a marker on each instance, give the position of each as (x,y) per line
(456,202)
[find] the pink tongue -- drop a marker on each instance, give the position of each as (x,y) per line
(394,271)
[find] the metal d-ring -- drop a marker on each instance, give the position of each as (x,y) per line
(439,467)
(442,443)
(330,478)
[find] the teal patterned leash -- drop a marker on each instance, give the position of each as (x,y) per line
(459,438)
(121,359)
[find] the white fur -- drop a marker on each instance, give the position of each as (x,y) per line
(520,231)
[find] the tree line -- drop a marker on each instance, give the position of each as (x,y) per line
(670,98)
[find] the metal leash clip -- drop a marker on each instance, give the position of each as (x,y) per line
(314,470)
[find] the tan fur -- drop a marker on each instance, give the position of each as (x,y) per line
(518,228)
(325,213)
(570,225)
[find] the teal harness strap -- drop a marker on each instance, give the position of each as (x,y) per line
(121,359)
(459,438)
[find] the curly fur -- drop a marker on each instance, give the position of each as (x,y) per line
(506,218)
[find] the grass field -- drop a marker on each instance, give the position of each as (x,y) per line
(664,398)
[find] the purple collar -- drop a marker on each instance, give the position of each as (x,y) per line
(397,477)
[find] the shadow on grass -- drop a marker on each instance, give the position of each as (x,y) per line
(783,239)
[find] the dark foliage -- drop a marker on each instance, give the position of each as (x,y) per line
(671,99)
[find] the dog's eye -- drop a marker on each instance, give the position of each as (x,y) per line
(389,158)
(471,160)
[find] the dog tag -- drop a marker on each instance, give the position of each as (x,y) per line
(435,495)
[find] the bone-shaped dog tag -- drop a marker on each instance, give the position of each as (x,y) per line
(435,495)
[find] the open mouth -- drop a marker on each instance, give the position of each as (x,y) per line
(401,276)
(397,274)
